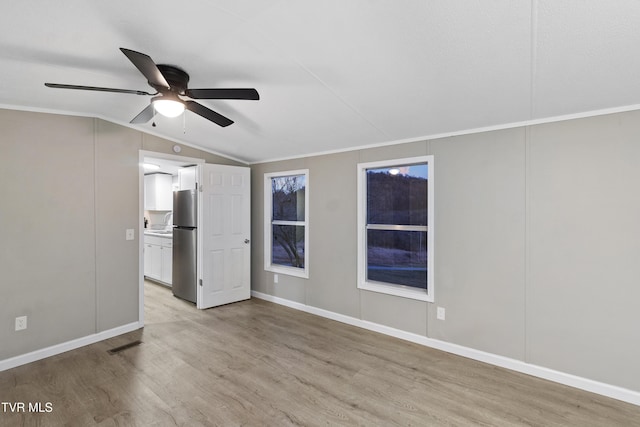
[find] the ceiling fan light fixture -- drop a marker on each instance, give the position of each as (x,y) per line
(168,106)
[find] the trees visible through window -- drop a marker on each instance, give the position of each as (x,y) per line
(286,230)
(287,220)
(394,227)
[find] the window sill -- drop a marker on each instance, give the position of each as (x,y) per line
(403,292)
(288,271)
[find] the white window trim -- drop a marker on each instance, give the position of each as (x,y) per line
(268,209)
(397,290)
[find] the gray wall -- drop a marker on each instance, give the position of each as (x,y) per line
(68,190)
(536,238)
(537,244)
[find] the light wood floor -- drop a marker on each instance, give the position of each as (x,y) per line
(257,363)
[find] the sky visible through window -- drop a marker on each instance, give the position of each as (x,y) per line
(417,171)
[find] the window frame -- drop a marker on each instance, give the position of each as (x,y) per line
(269,222)
(380,287)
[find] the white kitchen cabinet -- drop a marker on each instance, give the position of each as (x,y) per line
(187,178)
(153,257)
(166,251)
(158,258)
(156,261)
(158,194)
(147,258)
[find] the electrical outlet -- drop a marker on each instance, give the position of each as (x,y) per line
(440,313)
(130,234)
(275,278)
(21,323)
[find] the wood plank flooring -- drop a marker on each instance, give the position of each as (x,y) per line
(257,363)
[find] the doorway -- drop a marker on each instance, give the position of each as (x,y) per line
(158,219)
(223,229)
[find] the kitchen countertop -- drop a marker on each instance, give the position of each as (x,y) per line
(159,233)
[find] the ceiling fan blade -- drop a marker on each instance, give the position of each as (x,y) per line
(208,114)
(99,89)
(251,94)
(145,115)
(147,67)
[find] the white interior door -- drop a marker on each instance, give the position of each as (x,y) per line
(225,230)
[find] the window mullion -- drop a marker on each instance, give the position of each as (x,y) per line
(397,227)
(282,222)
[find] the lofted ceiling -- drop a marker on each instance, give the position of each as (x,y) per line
(332,74)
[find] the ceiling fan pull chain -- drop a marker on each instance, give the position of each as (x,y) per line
(184,123)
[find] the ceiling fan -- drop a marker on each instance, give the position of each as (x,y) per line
(170,83)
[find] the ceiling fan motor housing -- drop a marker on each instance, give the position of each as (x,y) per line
(176,77)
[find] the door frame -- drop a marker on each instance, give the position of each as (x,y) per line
(157,155)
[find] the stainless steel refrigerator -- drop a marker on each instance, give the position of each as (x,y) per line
(185,223)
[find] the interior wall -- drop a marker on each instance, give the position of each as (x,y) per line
(47,217)
(583,296)
(116,172)
(480,241)
(69,189)
(536,238)
(536,244)
(161,145)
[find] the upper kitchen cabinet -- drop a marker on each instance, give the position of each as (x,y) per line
(158,195)
(187,178)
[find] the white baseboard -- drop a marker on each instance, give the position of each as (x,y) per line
(619,393)
(23,359)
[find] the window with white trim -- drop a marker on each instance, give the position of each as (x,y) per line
(395,227)
(286,201)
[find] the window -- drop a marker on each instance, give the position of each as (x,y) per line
(395,227)
(286,200)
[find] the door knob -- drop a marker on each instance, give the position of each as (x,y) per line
(247,240)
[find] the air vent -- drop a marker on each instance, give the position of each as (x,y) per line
(124,347)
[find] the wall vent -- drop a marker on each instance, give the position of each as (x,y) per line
(124,347)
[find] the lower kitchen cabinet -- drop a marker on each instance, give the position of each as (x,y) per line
(148,248)
(166,255)
(158,258)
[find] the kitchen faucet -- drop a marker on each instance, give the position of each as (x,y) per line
(167,218)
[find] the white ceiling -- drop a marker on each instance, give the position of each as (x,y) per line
(332,74)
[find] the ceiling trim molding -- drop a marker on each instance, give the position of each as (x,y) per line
(524,123)
(127,125)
